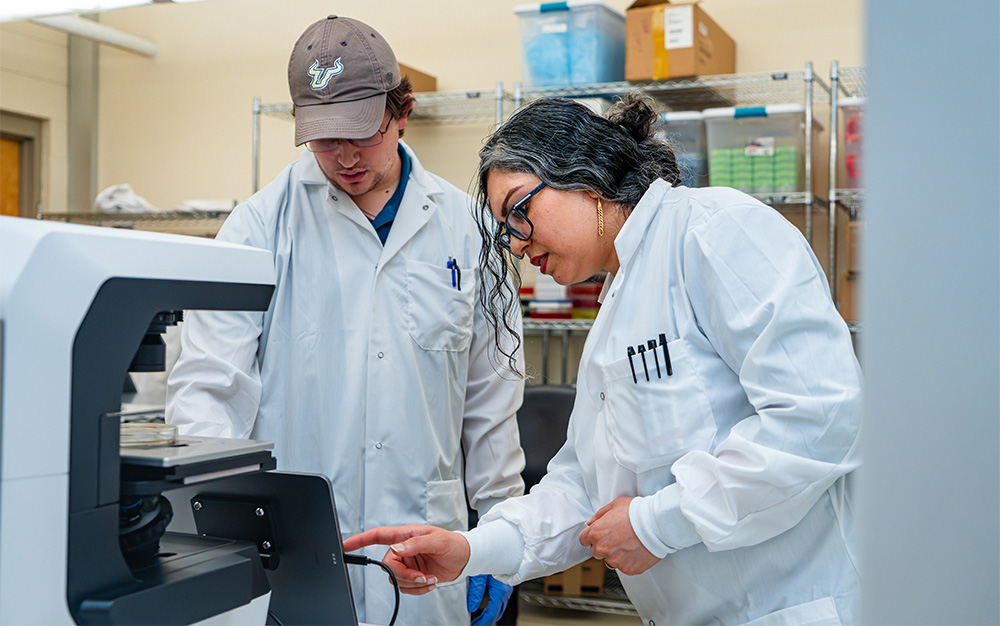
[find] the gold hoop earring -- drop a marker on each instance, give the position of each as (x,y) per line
(600,219)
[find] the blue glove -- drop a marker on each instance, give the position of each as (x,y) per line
(497,593)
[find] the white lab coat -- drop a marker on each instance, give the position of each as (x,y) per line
(368,367)
(740,459)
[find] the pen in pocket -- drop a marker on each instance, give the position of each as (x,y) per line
(631,353)
(456,273)
(666,354)
(642,353)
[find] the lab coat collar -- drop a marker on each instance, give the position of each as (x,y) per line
(627,244)
(632,233)
(630,236)
(418,205)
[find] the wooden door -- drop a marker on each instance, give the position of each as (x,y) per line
(10,176)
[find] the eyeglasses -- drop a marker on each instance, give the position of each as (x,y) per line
(329,143)
(516,223)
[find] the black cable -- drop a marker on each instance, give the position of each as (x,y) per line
(357,559)
(274,618)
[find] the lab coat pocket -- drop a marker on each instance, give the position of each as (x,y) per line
(439,314)
(822,612)
(654,422)
(446,507)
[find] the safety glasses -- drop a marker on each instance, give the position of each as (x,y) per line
(329,143)
(517,224)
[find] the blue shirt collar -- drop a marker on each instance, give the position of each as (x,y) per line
(383,221)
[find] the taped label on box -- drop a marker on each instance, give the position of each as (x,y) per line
(678,27)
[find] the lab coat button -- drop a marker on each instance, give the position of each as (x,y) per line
(602,395)
(378,445)
(380,355)
(426,207)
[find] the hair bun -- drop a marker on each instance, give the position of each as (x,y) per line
(635,114)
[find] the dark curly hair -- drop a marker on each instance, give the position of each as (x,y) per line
(570,148)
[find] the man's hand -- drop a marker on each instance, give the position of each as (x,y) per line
(497,593)
(419,556)
(611,538)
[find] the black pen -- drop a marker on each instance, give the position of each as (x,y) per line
(652,348)
(666,354)
(631,353)
(458,273)
(642,353)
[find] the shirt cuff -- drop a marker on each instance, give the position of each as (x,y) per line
(494,548)
(659,524)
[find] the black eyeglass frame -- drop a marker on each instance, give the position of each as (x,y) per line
(335,141)
(519,208)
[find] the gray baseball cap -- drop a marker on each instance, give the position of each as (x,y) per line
(338,75)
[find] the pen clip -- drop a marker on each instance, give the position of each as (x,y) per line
(666,354)
(631,353)
(652,348)
(642,353)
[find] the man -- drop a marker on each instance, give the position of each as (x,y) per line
(372,364)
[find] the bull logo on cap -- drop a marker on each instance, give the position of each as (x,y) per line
(321,75)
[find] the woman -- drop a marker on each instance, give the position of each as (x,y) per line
(709,452)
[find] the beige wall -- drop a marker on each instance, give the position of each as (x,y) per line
(179,126)
(33,82)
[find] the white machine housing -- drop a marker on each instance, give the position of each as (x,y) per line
(51,276)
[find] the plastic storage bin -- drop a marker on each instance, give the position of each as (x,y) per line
(577,42)
(758,149)
(850,117)
(550,309)
(685,130)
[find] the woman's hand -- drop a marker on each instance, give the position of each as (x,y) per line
(419,556)
(611,538)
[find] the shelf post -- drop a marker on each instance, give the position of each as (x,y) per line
(807,183)
(832,183)
(499,102)
(564,357)
(546,340)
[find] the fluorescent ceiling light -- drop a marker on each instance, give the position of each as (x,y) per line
(11,10)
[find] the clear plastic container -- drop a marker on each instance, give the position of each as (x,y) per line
(850,119)
(685,130)
(758,149)
(577,42)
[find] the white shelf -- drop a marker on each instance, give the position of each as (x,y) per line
(531,324)
(700,92)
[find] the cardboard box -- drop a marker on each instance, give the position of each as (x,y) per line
(854,233)
(420,80)
(670,40)
(583,579)
(847,296)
